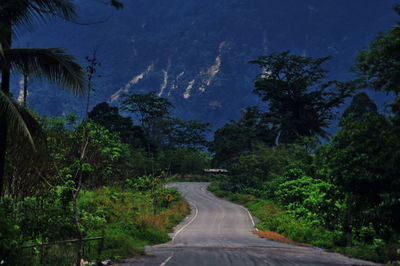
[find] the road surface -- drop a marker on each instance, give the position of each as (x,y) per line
(218,233)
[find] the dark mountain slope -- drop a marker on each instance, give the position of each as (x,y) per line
(197,52)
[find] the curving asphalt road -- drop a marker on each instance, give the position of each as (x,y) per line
(218,233)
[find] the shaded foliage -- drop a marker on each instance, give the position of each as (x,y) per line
(109,117)
(162,130)
(240,136)
(378,64)
(300,100)
(360,105)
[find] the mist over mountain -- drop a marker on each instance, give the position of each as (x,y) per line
(196,53)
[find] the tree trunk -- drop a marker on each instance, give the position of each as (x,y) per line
(25,95)
(3,142)
(5,88)
(349,222)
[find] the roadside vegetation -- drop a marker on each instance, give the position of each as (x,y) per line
(116,190)
(101,178)
(339,191)
(89,188)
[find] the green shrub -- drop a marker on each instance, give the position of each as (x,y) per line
(129,218)
(10,233)
(121,243)
(377,251)
(154,236)
(314,200)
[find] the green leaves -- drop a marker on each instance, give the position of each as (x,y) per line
(26,12)
(379,64)
(362,160)
(315,200)
(148,106)
(300,98)
(51,63)
(237,137)
(19,119)
(162,130)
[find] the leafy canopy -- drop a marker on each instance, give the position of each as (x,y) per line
(379,63)
(299,96)
(240,136)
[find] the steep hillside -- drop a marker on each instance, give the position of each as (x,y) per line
(197,52)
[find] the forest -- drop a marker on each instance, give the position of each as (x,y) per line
(92,188)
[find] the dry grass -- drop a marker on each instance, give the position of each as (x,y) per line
(167,218)
(278,237)
(158,221)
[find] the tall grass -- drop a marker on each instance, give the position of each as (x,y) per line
(128,219)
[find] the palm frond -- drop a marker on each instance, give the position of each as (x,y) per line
(26,12)
(19,119)
(54,64)
(63,8)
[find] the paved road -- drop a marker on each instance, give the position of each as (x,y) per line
(218,233)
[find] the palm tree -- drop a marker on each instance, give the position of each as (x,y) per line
(53,63)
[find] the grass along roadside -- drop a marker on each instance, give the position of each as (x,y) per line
(128,217)
(276,224)
(131,219)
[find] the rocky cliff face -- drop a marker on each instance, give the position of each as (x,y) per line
(197,52)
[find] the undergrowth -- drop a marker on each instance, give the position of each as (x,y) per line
(129,220)
(276,219)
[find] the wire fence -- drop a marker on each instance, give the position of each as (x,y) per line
(62,253)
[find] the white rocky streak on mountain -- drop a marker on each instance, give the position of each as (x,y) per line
(265,43)
(164,84)
(134,50)
(312,9)
(175,84)
(21,89)
(186,94)
(213,70)
(132,82)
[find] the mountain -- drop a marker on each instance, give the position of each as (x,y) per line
(197,52)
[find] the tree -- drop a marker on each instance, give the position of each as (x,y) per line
(189,134)
(153,113)
(109,117)
(363,161)
(54,63)
(237,137)
(163,131)
(378,64)
(300,100)
(359,106)
(91,70)
(148,106)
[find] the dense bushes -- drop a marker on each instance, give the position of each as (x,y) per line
(341,195)
(302,229)
(297,193)
(86,183)
(313,199)
(130,219)
(127,218)
(181,161)
(33,221)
